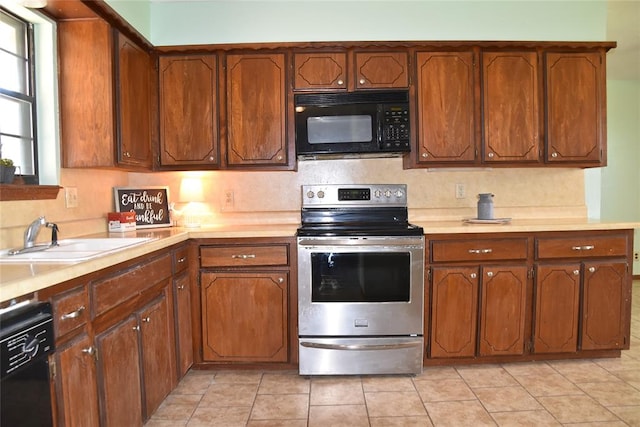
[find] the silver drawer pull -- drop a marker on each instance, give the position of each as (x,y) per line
(361,347)
(181,260)
(243,256)
(592,269)
(480,251)
(576,272)
(146,319)
(180,287)
(88,350)
(583,248)
(73,314)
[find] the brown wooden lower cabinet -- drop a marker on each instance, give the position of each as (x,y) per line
(503,310)
(119,374)
(158,352)
(245,316)
(605,305)
(556,308)
(77,388)
(454,311)
(527,296)
(184,331)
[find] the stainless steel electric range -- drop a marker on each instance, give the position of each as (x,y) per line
(360,282)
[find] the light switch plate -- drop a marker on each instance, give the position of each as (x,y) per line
(71,197)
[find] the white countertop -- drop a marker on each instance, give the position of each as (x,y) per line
(20,279)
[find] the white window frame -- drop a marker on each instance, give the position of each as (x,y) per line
(46,88)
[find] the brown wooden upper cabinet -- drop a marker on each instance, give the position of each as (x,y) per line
(510,107)
(92,134)
(576,101)
(333,70)
(446,108)
(134,83)
(87,120)
(188,110)
(256,104)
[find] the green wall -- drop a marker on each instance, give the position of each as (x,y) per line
(232,21)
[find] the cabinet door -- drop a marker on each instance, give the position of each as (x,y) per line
(76,387)
(188,110)
(256,105)
(133,90)
(510,101)
(87,130)
(244,317)
(320,70)
(557,294)
(184,332)
(376,70)
(158,353)
(119,374)
(503,310)
(446,107)
(575,98)
(454,312)
(605,310)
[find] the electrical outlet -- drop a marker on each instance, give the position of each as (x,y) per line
(636,256)
(71,197)
(228,200)
(461,191)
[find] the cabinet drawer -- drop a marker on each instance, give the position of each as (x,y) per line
(478,250)
(180,259)
(70,310)
(108,293)
(581,247)
(240,256)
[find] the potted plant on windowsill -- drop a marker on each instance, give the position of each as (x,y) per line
(7,171)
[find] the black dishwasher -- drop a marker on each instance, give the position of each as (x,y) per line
(26,340)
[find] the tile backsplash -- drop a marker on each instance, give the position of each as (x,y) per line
(275,197)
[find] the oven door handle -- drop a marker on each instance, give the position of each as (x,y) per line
(359,347)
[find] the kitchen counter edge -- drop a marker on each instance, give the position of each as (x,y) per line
(21,279)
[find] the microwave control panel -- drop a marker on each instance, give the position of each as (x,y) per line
(395,127)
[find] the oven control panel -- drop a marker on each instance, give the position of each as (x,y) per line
(326,195)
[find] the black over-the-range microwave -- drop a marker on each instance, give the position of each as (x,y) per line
(352,123)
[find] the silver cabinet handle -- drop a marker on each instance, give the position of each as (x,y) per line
(340,82)
(181,287)
(480,251)
(576,272)
(473,275)
(280,279)
(136,328)
(583,248)
(146,319)
(73,314)
(243,256)
(181,260)
(490,155)
(425,155)
(362,81)
(89,351)
(592,269)
(490,273)
(554,155)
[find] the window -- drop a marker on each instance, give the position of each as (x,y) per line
(18,140)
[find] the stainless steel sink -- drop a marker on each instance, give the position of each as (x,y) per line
(73,250)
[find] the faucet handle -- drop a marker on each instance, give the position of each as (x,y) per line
(54,233)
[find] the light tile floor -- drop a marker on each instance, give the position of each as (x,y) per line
(597,392)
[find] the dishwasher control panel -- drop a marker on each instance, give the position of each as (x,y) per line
(26,334)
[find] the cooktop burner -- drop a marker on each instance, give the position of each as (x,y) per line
(356,210)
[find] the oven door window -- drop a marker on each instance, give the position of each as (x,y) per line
(339,129)
(360,277)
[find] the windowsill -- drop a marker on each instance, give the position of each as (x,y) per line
(28,192)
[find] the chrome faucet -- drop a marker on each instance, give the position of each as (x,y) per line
(32,231)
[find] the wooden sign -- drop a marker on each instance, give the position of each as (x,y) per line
(151,205)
